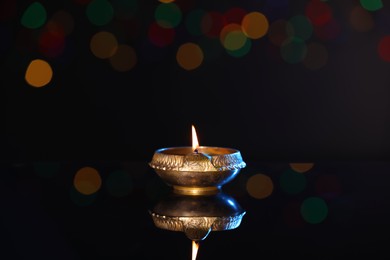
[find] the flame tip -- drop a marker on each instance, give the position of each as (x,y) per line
(195,143)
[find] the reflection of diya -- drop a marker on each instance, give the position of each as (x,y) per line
(197,170)
(197,216)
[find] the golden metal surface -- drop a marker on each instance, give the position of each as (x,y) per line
(197,216)
(196,190)
(197,173)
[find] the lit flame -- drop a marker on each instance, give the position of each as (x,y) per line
(195,143)
(195,247)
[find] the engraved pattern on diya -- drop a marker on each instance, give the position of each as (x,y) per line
(197,172)
(197,216)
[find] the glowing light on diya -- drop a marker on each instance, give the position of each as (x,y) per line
(197,170)
(195,247)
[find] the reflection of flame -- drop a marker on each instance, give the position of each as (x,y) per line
(195,143)
(195,247)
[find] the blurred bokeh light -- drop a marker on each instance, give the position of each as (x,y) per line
(39,73)
(87,180)
(260,186)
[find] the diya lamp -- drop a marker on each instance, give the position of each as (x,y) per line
(196,205)
(197,216)
(197,170)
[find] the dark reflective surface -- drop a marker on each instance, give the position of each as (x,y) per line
(197,215)
(334,210)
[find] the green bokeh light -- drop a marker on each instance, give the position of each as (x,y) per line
(314,210)
(168,15)
(100,12)
(241,52)
(371,5)
(34,16)
(234,40)
(293,50)
(292,182)
(193,22)
(300,26)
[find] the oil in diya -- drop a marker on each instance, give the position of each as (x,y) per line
(197,170)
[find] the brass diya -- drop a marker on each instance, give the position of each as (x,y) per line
(199,171)
(197,216)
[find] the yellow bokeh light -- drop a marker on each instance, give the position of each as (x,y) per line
(124,59)
(103,44)
(189,56)
(87,180)
(301,167)
(232,37)
(235,40)
(255,25)
(259,186)
(232,27)
(39,73)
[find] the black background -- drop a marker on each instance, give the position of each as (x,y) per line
(267,108)
(275,113)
